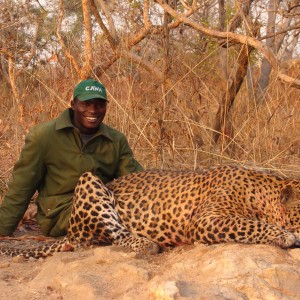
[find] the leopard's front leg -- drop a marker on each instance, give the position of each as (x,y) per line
(222,229)
(293,217)
(122,237)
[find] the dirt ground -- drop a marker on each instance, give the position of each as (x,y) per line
(224,271)
(189,272)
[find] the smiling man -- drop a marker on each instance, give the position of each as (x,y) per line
(89,105)
(55,155)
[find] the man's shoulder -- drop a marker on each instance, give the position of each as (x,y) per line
(51,126)
(41,133)
(43,128)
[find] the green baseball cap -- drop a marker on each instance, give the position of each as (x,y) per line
(89,89)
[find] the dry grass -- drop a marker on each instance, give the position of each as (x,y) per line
(163,130)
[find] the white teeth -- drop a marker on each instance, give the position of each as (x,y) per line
(91,119)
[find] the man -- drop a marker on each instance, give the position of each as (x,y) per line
(55,155)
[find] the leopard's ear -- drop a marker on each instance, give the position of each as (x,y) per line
(286,194)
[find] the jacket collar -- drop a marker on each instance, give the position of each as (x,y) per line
(64,121)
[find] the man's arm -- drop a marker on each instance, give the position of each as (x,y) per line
(26,176)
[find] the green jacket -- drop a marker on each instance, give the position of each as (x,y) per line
(51,162)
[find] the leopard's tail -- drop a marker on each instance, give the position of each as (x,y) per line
(41,251)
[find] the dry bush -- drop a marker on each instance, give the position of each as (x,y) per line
(164,130)
(174,133)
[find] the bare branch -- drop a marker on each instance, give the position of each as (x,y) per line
(32,52)
(12,79)
(146,13)
(239,38)
(41,6)
(61,41)
(135,38)
(290,63)
(86,69)
(228,97)
(112,40)
(243,10)
(170,85)
(145,64)
(109,20)
(221,14)
(279,32)
(186,6)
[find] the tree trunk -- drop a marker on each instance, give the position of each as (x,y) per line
(222,118)
(266,68)
(166,96)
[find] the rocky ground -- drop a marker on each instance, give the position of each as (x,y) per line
(225,271)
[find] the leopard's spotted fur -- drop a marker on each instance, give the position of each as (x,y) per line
(152,209)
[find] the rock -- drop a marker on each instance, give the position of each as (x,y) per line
(4,265)
(17,259)
(225,271)
(164,290)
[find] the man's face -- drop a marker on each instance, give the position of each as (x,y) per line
(88,115)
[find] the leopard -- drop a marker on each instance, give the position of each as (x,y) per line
(155,210)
